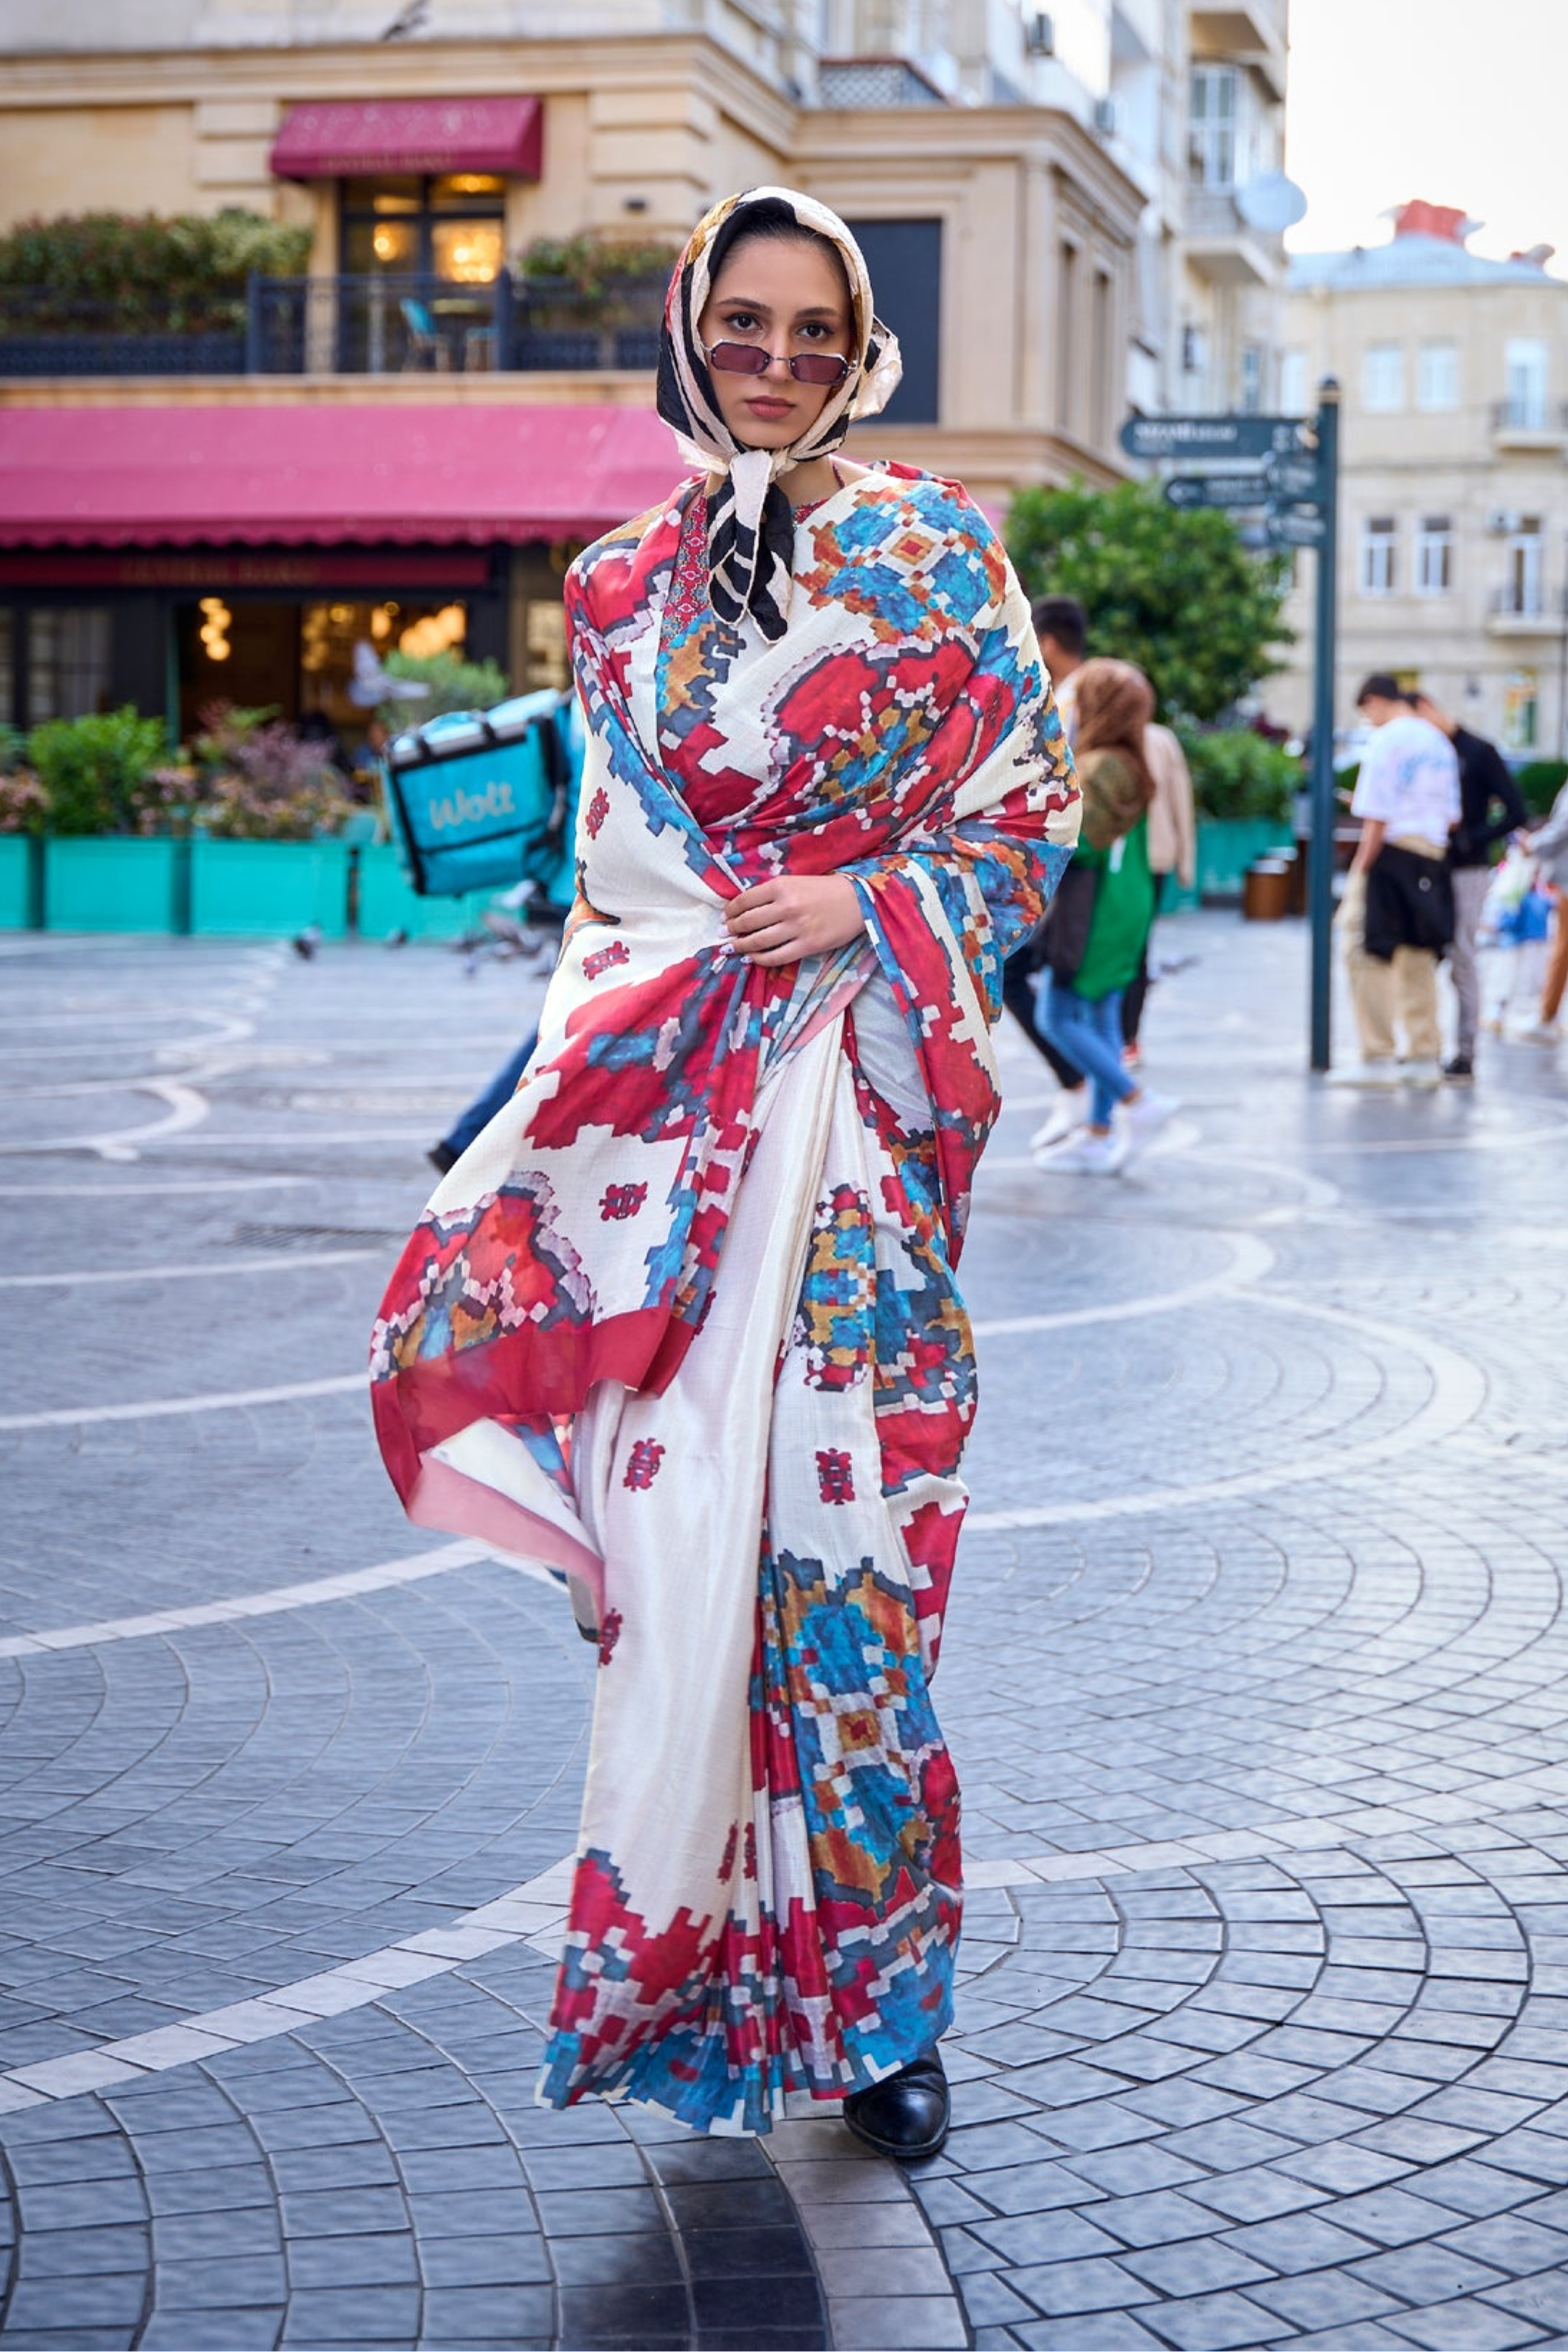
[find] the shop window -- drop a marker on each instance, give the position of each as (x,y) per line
(904,260)
(450,227)
(1520,710)
(68,661)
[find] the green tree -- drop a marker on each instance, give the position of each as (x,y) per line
(1174,590)
(451,684)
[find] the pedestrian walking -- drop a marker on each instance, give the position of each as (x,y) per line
(1549,846)
(1099,925)
(1173,850)
(1061,629)
(1395,918)
(683,1320)
(1485,783)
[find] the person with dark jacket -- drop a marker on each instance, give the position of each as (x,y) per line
(1485,783)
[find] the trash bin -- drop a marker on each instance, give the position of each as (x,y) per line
(1266,890)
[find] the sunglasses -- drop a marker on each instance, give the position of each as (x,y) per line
(754,359)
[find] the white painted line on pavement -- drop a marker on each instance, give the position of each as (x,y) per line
(1459,1393)
(220,1401)
(344,1586)
(277,1262)
(1250,1261)
(154,1191)
(186,1109)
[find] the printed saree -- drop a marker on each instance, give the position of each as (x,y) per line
(683,1320)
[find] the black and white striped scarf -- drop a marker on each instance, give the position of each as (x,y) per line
(751,530)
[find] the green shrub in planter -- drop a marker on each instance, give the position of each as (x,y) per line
(120,272)
(1540,781)
(89,768)
(1238,774)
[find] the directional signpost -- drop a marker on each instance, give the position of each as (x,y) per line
(1216,490)
(1293,475)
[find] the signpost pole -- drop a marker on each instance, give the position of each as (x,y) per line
(1321,868)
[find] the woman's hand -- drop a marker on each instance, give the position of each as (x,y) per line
(794,916)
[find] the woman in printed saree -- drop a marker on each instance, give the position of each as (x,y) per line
(682,1321)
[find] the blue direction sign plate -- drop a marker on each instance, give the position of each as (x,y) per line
(1212,436)
(1296,478)
(1296,526)
(1216,490)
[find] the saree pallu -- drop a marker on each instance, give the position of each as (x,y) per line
(682,1321)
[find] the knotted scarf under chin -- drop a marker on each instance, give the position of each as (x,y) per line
(751,546)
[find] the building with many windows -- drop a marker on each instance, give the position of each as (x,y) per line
(415,436)
(1454,512)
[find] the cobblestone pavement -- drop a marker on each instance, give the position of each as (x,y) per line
(1254,1678)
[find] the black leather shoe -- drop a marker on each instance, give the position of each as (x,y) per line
(907,2116)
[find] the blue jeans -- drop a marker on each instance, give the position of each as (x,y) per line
(499,1091)
(1089,1035)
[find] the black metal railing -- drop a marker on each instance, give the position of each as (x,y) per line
(402,325)
(382,325)
(45,332)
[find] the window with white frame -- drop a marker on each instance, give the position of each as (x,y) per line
(1522,578)
(1383,377)
(1438,377)
(1435,555)
(1293,385)
(1525,400)
(1251,379)
(1216,128)
(1379,546)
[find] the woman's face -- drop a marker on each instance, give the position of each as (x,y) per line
(789,297)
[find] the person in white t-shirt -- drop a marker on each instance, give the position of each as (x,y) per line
(1396,914)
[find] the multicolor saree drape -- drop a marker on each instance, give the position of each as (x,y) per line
(683,1320)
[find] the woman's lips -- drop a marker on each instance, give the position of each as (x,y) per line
(762,406)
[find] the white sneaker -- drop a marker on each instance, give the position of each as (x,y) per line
(1366,1074)
(1083,1153)
(1421,1074)
(1067,1113)
(1142,1121)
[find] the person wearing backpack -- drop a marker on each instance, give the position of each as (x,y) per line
(1100,923)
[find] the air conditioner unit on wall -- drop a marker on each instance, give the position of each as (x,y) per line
(1501,521)
(1038,34)
(1105,116)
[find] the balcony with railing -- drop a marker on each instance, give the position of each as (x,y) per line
(374,326)
(1520,608)
(1530,423)
(1222,244)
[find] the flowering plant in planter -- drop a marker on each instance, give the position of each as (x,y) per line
(265,783)
(24,805)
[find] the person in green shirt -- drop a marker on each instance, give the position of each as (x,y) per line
(1099,922)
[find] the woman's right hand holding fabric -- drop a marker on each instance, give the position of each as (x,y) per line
(795,915)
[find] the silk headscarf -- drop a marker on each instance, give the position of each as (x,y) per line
(750,524)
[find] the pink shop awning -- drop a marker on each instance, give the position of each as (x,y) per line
(331,139)
(328,475)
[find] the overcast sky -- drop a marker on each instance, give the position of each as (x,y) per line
(1462,102)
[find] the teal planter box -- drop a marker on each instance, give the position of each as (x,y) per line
(388,903)
(269,890)
(1226,849)
(19,910)
(105,883)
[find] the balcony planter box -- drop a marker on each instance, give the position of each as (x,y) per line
(108,882)
(269,890)
(21,881)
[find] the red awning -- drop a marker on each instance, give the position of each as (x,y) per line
(327,476)
(355,138)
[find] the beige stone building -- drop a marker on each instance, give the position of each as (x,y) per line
(1049,201)
(1454,513)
